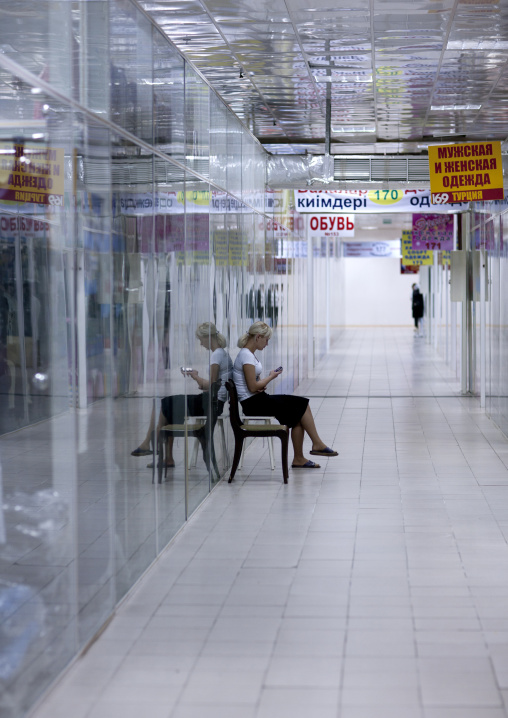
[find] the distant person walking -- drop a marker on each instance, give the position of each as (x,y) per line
(417,306)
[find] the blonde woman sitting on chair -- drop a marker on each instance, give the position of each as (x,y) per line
(293,411)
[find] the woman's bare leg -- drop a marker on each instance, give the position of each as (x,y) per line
(169,440)
(297,436)
(307,422)
(146,443)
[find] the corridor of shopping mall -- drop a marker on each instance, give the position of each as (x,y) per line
(373,587)
(320,183)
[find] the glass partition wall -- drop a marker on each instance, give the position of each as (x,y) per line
(134,224)
(489,232)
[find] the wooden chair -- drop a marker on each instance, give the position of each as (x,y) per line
(193,427)
(243,431)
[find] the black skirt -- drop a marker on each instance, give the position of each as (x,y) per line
(173,407)
(286,408)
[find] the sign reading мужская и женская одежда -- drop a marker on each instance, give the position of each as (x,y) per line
(467,172)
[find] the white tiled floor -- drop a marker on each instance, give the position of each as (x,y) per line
(375,587)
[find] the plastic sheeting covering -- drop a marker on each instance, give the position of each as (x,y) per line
(299,171)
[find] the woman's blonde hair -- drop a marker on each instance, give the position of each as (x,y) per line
(257,328)
(207,329)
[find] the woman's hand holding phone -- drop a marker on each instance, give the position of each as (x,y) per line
(275,373)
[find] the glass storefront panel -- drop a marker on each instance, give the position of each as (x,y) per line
(218,141)
(169,350)
(168,98)
(38,462)
(117,268)
(234,157)
(131,69)
(198,349)
(220,313)
(197,123)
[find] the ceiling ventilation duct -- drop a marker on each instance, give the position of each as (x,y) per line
(302,171)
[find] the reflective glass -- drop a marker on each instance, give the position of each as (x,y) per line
(497,313)
(218,141)
(39,467)
(133,353)
(38,36)
(118,269)
(131,70)
(168,98)
(234,157)
(169,350)
(197,123)
(220,311)
(198,348)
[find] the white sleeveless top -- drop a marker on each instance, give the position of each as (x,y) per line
(245,356)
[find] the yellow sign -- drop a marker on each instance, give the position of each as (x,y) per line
(385,196)
(197,198)
(413,256)
(467,172)
(31,173)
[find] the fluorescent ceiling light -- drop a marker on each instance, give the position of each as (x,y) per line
(354,129)
(432,143)
(477,45)
(454,108)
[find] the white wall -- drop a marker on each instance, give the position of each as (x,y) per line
(376,293)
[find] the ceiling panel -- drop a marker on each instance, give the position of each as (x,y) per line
(393,70)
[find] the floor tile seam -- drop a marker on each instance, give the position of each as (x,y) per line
(473,601)
(348,612)
(172,546)
(411,594)
(264,683)
(415,629)
(476,418)
(184,686)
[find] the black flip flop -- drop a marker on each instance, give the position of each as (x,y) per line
(324,452)
(141,452)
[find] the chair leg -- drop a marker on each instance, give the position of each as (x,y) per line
(242,455)
(236,458)
(284,452)
(223,442)
(160,458)
(214,465)
(193,460)
(193,456)
(270,449)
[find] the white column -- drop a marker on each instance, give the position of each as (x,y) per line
(81,316)
(483,330)
(310,302)
(328,269)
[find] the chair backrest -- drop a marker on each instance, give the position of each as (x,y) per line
(234,413)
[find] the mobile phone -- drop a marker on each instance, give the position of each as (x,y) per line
(278,368)
(186,369)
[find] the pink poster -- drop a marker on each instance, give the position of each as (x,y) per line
(432,231)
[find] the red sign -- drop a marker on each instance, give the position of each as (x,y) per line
(335,225)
